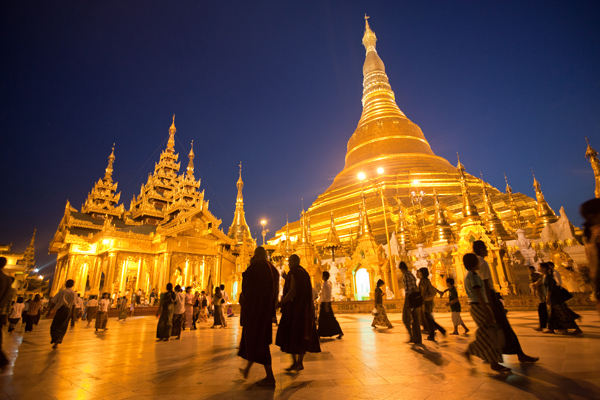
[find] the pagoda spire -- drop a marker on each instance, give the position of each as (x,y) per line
(544,214)
(470,216)
(491,221)
(288,240)
(369,38)
(109,169)
(239,228)
(402,233)
(592,155)
(172,130)
(304,233)
(333,239)
(442,232)
(190,167)
(518,222)
(29,256)
(364,229)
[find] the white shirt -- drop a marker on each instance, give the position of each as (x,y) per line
(484,270)
(225,296)
(103,305)
(79,303)
(65,297)
(557,277)
(180,304)
(17,310)
(92,303)
(326,292)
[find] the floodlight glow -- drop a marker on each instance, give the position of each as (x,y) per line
(361,176)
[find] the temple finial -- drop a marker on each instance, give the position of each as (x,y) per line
(369,38)
(191,156)
(109,169)
(172,130)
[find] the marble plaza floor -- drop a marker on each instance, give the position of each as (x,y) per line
(125,362)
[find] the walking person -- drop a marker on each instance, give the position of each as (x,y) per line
(328,325)
(138,297)
(24,313)
(77,310)
(202,315)
(152,298)
(258,300)
(131,307)
(297,333)
(536,282)
(166,305)
(590,211)
(178,312)
(16,313)
(428,291)
(5,297)
(485,345)
(561,316)
(195,310)
(410,314)
(224,304)
(216,302)
(63,301)
(91,310)
(33,314)
(455,307)
(189,308)
(122,308)
(511,341)
(102,314)
(380,318)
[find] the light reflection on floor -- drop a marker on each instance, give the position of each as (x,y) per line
(126,362)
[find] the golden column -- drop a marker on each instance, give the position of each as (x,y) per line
(592,155)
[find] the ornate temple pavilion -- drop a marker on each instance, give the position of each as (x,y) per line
(396,200)
(167,235)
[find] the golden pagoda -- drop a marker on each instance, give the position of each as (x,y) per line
(167,235)
(386,140)
(544,214)
(22,267)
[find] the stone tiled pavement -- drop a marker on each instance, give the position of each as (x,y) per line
(125,362)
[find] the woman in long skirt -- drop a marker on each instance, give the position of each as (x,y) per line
(122,306)
(166,306)
(328,325)
(102,314)
(203,316)
(91,309)
(216,303)
(381,318)
(189,307)
(33,314)
(561,316)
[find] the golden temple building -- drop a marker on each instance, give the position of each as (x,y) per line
(432,209)
(22,267)
(167,235)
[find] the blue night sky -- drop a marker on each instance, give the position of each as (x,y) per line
(277,85)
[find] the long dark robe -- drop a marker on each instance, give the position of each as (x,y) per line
(165,322)
(511,341)
(60,324)
(297,331)
(257,300)
(328,325)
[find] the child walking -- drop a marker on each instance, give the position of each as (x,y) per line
(454,306)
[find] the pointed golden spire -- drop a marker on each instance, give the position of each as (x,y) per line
(518,222)
(29,255)
(402,233)
(333,240)
(239,228)
(469,211)
(364,230)
(109,169)
(303,233)
(172,130)
(492,222)
(592,155)
(544,214)
(369,38)
(288,240)
(191,156)
(240,185)
(442,231)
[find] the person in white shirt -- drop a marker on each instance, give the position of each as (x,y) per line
(512,344)
(555,273)
(92,309)
(77,310)
(103,309)
(178,312)
(16,314)
(328,325)
(224,305)
(63,301)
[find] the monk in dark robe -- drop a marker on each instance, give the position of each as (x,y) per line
(297,331)
(260,286)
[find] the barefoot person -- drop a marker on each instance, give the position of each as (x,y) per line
(561,316)
(328,325)
(166,305)
(63,301)
(410,315)
(297,332)
(590,211)
(512,344)
(91,310)
(258,300)
(102,313)
(485,345)
(455,307)
(380,319)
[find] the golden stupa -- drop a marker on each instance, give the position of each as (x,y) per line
(396,159)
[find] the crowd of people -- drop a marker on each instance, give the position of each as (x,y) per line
(300,329)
